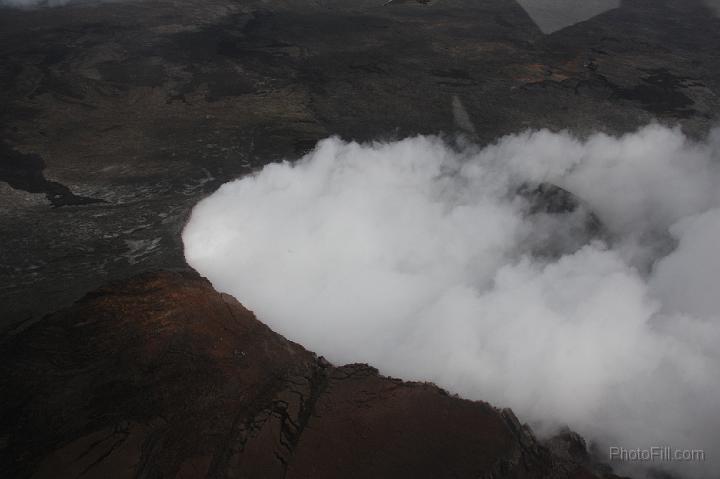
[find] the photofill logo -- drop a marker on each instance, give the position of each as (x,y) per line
(656,454)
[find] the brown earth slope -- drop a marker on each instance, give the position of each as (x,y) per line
(161,376)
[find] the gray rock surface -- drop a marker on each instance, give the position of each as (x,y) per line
(117,117)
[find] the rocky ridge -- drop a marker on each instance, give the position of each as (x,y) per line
(161,376)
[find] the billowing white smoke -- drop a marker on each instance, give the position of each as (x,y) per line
(418,258)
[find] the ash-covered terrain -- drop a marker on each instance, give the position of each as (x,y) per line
(117,117)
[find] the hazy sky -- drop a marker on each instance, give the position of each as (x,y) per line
(553,15)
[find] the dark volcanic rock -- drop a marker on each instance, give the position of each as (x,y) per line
(150,105)
(562,222)
(570,446)
(24,172)
(161,376)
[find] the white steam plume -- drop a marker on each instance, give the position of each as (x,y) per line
(423,260)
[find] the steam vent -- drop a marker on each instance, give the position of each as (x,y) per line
(359,239)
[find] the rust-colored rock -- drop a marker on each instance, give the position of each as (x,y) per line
(161,376)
